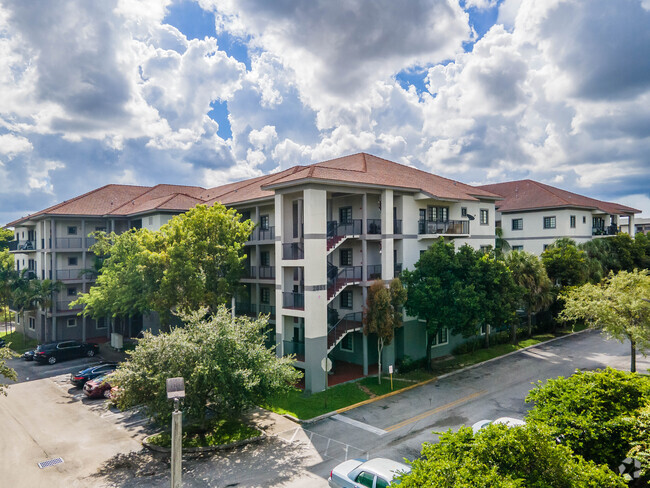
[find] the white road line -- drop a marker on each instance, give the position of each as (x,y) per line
(358,424)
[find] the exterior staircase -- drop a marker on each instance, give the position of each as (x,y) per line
(339,278)
(348,323)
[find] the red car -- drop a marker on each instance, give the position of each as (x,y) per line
(98,387)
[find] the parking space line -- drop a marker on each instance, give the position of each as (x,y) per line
(436,410)
(358,424)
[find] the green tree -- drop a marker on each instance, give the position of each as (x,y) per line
(641,444)
(223,360)
(6,371)
(501,245)
(618,305)
(593,411)
(382,314)
(536,288)
(6,235)
(565,264)
(193,261)
(498,457)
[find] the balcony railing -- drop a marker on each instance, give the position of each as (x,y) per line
(293,250)
(374,272)
(22,245)
(397,226)
(611,230)
(63,305)
(267,234)
(245,308)
(68,242)
(293,300)
(448,227)
(69,274)
(374,226)
(267,310)
(397,270)
(267,273)
(250,272)
(346,228)
(294,347)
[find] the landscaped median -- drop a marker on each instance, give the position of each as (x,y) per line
(353,394)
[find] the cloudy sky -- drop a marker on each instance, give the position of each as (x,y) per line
(210,91)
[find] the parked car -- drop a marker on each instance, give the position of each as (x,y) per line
(509,421)
(376,473)
(2,343)
(79,379)
(60,351)
(98,387)
(28,355)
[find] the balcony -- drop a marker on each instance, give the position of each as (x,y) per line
(69,274)
(397,270)
(250,272)
(397,227)
(294,347)
(63,305)
(22,245)
(456,227)
(267,273)
(267,234)
(349,322)
(246,308)
(267,310)
(611,230)
(293,250)
(374,272)
(374,226)
(293,300)
(69,242)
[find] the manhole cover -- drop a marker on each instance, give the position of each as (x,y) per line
(51,462)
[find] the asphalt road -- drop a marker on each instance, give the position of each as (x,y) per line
(45,418)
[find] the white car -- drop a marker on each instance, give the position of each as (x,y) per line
(509,421)
(357,473)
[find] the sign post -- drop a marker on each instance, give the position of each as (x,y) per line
(390,371)
(176,392)
(326,364)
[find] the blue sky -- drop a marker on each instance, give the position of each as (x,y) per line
(210,91)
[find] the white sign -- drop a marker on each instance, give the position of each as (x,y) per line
(326,364)
(390,369)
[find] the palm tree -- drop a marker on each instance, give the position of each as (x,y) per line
(530,275)
(501,246)
(31,294)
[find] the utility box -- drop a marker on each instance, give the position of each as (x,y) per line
(117,341)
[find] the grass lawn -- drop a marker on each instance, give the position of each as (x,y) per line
(19,343)
(219,432)
(373,384)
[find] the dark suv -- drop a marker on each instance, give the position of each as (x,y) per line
(60,351)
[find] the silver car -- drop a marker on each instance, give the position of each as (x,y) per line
(357,473)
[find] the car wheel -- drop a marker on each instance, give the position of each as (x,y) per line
(107,393)
(90,353)
(51,360)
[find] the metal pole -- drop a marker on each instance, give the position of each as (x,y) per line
(177,445)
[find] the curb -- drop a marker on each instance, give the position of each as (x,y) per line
(422,383)
(187,450)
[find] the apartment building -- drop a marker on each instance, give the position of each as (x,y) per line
(324,233)
(533,215)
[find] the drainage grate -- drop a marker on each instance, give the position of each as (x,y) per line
(51,462)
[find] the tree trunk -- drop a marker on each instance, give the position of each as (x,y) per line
(487,336)
(530,324)
(380,348)
(428,352)
(513,333)
(633,356)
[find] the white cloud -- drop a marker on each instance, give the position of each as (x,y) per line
(10,145)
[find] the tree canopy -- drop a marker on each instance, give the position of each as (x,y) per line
(618,305)
(223,360)
(193,261)
(499,457)
(565,264)
(5,370)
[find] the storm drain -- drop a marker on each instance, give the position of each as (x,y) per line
(51,462)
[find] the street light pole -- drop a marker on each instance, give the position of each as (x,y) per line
(176,392)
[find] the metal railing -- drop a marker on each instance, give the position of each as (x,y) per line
(350,321)
(69,242)
(448,227)
(611,230)
(374,226)
(347,228)
(266,234)
(374,271)
(293,250)
(245,308)
(397,269)
(22,245)
(267,310)
(293,300)
(69,274)
(294,347)
(343,275)
(63,305)
(397,226)
(250,272)
(267,273)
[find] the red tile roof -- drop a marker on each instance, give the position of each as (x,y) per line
(531,195)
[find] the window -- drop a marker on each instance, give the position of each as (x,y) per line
(265,258)
(265,295)
(100,229)
(485,249)
(72,322)
(549,222)
(345,257)
(441,338)
(438,214)
(150,220)
(264,222)
(32,323)
(463,211)
(485,216)
(346,299)
(517,224)
(381,483)
(101,323)
(245,215)
(345,215)
(72,260)
(72,292)
(584,219)
(483,329)
(365,479)
(347,343)
(572,220)
(72,230)
(546,246)
(517,248)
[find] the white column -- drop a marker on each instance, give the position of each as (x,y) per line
(279,273)
(387,242)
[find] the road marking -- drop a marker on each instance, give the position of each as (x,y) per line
(358,424)
(436,410)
